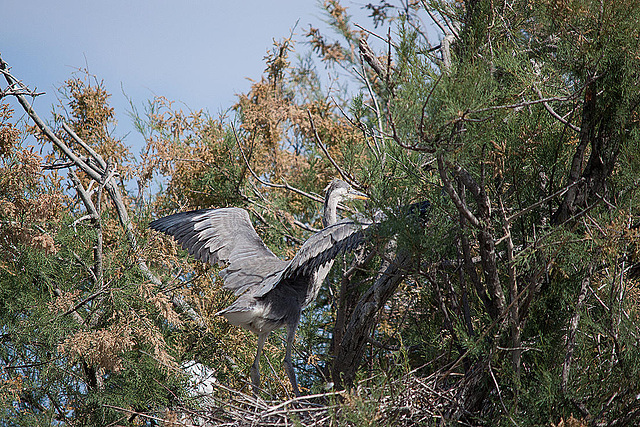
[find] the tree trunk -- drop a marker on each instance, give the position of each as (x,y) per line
(363,320)
(599,131)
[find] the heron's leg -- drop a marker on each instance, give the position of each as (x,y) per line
(255,368)
(288,366)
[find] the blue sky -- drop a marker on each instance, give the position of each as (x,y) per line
(197,52)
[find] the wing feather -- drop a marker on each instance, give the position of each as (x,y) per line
(343,236)
(327,244)
(224,236)
(319,249)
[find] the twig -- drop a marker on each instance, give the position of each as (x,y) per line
(347,177)
(301,398)
(83,302)
(376,105)
(462,208)
(520,104)
(22,89)
(513,292)
(546,199)
(554,114)
(424,107)
(538,203)
(495,382)
(305,226)
(360,125)
(270,184)
(384,39)
(84,145)
(56,165)
(433,18)
(573,328)
(94,215)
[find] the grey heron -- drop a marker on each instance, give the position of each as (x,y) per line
(271,292)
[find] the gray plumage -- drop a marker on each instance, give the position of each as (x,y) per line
(271,292)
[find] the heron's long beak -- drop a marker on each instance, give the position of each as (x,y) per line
(354,194)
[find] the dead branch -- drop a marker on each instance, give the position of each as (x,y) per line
(97,225)
(17,87)
(102,175)
(543,201)
(554,114)
(514,316)
(573,328)
(377,111)
(270,184)
(90,150)
(372,60)
(346,176)
(455,197)
(521,104)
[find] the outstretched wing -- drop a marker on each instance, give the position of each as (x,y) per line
(327,244)
(224,236)
(319,249)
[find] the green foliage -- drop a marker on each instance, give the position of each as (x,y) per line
(520,300)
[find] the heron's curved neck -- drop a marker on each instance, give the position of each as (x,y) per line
(330,216)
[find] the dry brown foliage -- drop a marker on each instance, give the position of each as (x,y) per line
(93,120)
(104,348)
(182,146)
(28,198)
(9,133)
(10,387)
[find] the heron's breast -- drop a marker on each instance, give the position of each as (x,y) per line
(258,319)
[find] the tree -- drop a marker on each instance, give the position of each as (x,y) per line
(515,303)
(83,329)
(509,112)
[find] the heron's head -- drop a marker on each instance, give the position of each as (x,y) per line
(339,191)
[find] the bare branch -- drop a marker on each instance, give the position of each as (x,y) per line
(554,114)
(495,382)
(98,158)
(305,226)
(445,48)
(543,201)
(372,60)
(270,184)
(83,302)
(56,164)
(97,225)
(521,104)
(346,176)
(49,133)
(481,197)
(377,108)
(76,316)
(462,208)
(573,327)
(17,87)
(434,18)
(424,108)
(384,39)
(514,318)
